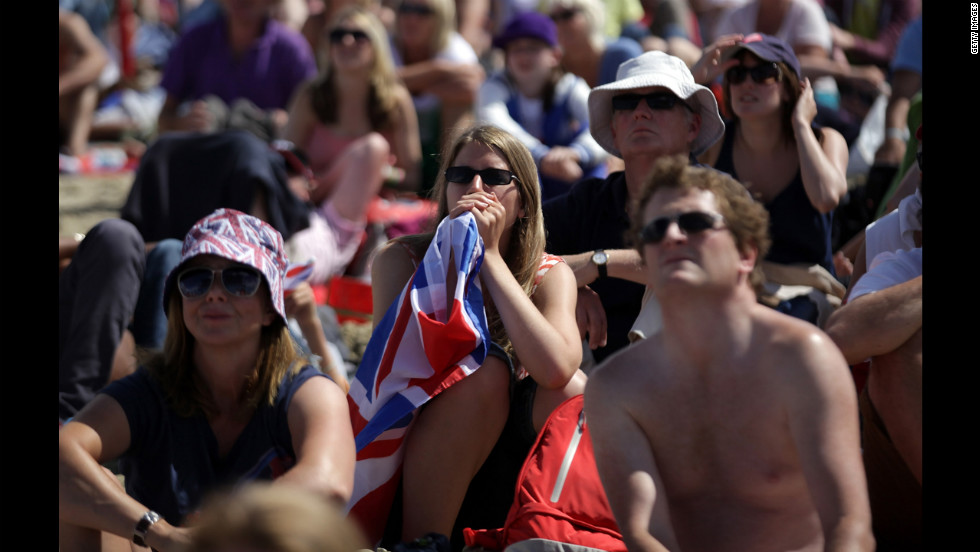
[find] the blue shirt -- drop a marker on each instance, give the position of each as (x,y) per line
(172,462)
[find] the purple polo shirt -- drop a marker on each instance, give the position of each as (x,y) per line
(268,73)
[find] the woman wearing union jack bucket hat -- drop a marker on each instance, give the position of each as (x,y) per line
(229,398)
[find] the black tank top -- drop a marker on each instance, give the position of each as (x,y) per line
(800,233)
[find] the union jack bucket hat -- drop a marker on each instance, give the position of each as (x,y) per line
(241,238)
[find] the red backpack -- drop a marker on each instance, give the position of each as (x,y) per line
(559,496)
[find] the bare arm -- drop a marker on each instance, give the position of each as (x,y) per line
(816,62)
(451,82)
(406,143)
(391,270)
(323,440)
(302,119)
(473,25)
(823,421)
(904,85)
(625,264)
(877,323)
(301,304)
(626,466)
(90,57)
(543,331)
(89,495)
(823,163)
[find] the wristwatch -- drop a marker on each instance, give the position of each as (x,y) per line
(599,257)
(143,525)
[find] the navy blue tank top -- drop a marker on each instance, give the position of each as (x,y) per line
(800,233)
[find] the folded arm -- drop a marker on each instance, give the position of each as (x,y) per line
(89,495)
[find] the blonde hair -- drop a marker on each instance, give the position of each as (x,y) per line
(273,518)
(445,14)
(382,101)
(594,13)
(173,367)
(527,237)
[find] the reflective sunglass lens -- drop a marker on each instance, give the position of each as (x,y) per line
(242,282)
(195,282)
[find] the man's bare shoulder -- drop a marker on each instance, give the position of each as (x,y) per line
(637,366)
(800,350)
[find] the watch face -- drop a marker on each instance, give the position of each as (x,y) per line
(599,257)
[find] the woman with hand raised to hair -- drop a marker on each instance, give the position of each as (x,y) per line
(794,167)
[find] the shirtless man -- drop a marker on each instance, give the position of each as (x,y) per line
(735,427)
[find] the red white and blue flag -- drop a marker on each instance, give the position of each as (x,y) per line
(421,347)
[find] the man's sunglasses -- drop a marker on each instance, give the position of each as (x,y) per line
(239,281)
(493,177)
(691,222)
(564,15)
(415,9)
(760,73)
(655,100)
(337,35)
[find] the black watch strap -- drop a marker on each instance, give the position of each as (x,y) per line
(600,266)
(143,525)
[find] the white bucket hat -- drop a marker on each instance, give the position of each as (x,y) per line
(655,69)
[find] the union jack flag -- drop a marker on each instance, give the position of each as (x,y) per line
(296,274)
(420,348)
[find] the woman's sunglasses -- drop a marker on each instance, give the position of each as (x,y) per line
(564,15)
(691,222)
(415,9)
(239,281)
(655,100)
(337,35)
(760,73)
(493,177)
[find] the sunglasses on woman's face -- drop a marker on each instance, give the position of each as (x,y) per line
(690,223)
(760,73)
(337,36)
(655,100)
(492,177)
(239,281)
(415,9)
(564,15)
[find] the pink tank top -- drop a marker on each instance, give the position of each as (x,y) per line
(325,146)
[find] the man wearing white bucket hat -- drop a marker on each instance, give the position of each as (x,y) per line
(653,109)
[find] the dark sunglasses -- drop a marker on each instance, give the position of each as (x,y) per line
(760,73)
(918,159)
(655,100)
(240,281)
(492,177)
(691,222)
(415,9)
(337,35)
(565,15)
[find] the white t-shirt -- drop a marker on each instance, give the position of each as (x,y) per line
(803,25)
(888,269)
(895,230)
(457,50)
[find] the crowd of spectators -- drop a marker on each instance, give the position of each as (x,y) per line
(665,195)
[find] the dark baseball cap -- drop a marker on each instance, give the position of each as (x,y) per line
(767,48)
